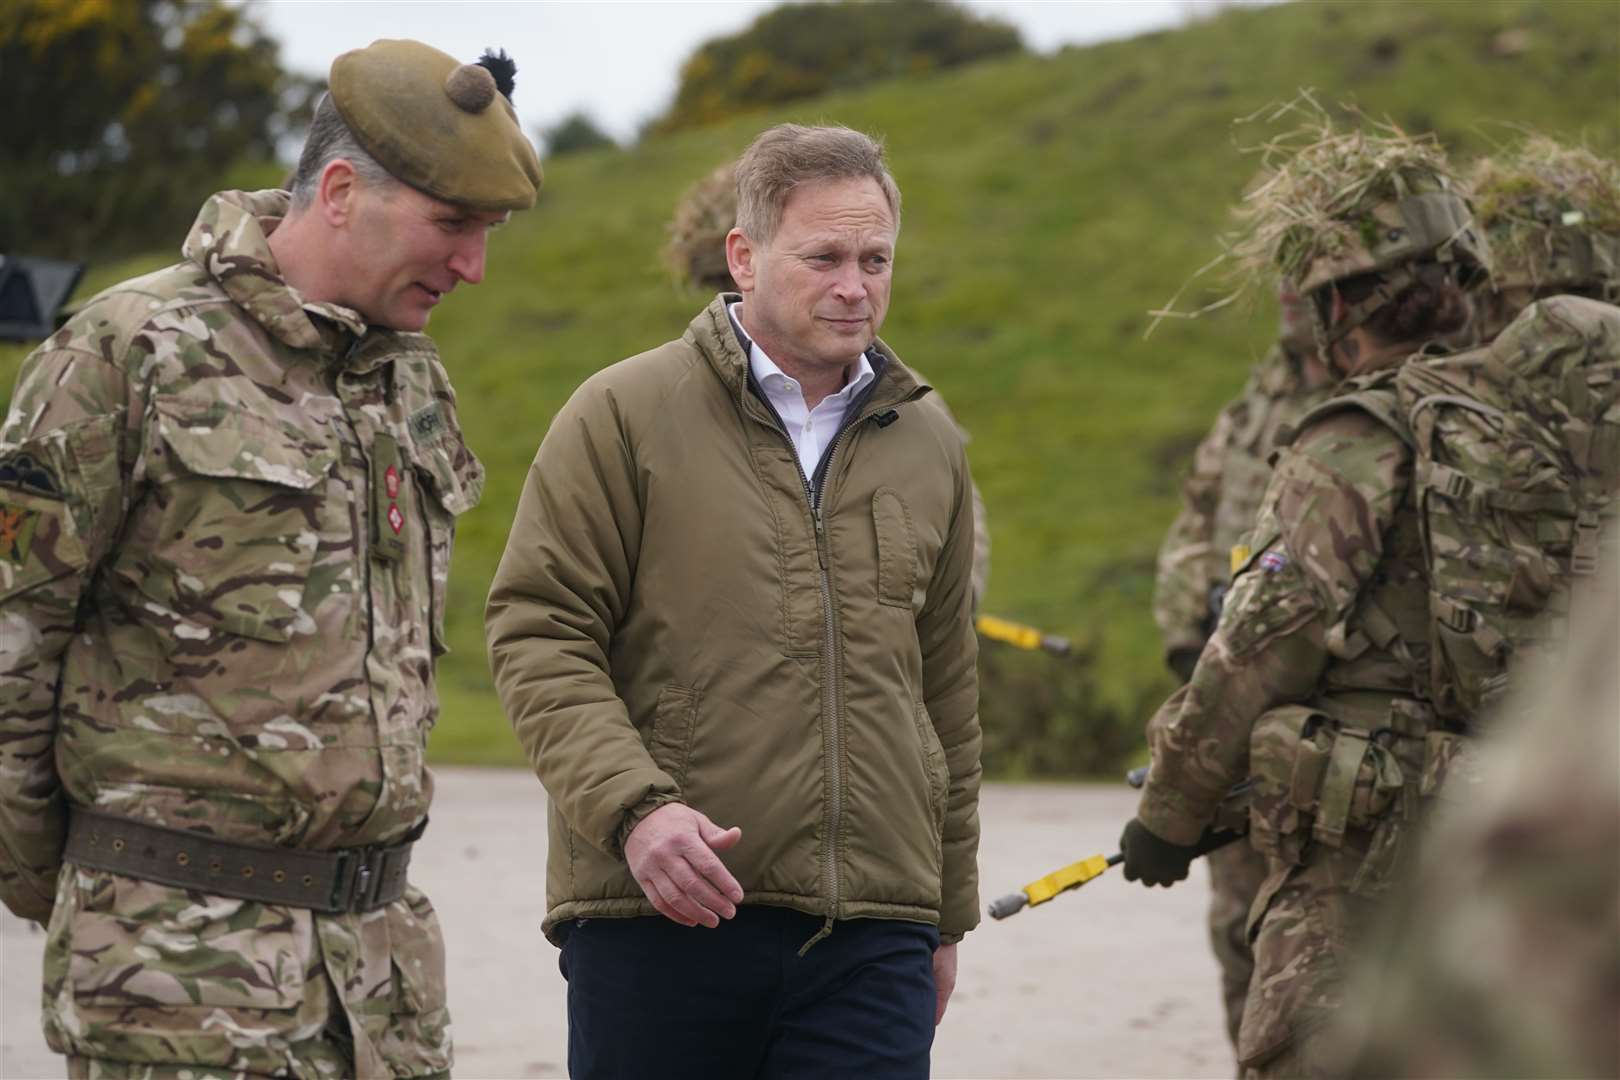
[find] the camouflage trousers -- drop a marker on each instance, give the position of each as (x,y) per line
(79,1068)
(1236,873)
(1302,925)
(147,981)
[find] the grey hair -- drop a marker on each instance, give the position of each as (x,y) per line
(787,155)
(329,139)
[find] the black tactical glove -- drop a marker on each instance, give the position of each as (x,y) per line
(1151,859)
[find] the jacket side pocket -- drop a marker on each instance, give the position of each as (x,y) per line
(933,761)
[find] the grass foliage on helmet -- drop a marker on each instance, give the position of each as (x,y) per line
(1330,204)
(1333,204)
(1552,213)
(696,251)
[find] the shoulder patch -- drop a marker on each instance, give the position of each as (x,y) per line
(428,423)
(1239,555)
(17,525)
(22,472)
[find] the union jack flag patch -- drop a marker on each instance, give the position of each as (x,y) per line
(1273,561)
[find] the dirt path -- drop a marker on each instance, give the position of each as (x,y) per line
(1111,981)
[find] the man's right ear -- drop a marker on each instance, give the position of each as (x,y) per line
(335,192)
(740,259)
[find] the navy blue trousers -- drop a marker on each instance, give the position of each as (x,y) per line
(650,998)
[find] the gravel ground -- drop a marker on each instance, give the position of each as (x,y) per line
(1110,981)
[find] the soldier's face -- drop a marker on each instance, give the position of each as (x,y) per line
(412,250)
(817,293)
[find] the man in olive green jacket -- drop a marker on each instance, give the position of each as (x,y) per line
(737,591)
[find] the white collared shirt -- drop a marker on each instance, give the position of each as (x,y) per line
(810,430)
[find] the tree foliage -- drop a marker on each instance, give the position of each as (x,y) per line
(573,133)
(122,115)
(802,50)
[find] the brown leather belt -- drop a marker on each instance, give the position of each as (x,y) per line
(344,879)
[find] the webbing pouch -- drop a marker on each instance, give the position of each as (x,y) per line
(1287,751)
(1339,785)
(1360,785)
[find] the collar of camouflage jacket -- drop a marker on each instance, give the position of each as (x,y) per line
(230,241)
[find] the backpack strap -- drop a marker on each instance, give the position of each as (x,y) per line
(1372,394)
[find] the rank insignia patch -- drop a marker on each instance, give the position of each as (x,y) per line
(17,525)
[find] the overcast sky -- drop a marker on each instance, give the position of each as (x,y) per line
(618,61)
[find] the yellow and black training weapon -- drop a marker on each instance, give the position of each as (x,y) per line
(1058,881)
(1077,874)
(1020,636)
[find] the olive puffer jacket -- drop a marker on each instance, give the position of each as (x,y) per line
(682,615)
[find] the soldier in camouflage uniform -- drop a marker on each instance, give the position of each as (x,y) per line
(227,496)
(1499,958)
(1219,501)
(696,252)
(1323,612)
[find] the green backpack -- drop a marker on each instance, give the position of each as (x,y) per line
(1517,462)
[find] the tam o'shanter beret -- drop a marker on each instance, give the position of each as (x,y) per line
(436,124)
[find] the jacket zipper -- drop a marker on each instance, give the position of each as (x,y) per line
(832,693)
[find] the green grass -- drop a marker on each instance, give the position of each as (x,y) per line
(1050,203)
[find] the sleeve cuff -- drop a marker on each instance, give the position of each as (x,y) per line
(633,817)
(1171,816)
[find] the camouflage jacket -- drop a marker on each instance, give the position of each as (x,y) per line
(1335,561)
(227,519)
(1221,495)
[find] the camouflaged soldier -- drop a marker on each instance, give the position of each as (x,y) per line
(1371,231)
(1552,216)
(696,252)
(1222,491)
(227,496)
(1499,959)
(1219,500)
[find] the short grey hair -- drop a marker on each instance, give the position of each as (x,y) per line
(329,139)
(787,155)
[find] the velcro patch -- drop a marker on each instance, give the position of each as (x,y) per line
(1273,562)
(1239,555)
(428,424)
(17,525)
(22,472)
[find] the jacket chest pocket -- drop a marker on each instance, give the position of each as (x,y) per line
(896,550)
(448,481)
(233,527)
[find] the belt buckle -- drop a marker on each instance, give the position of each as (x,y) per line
(359,879)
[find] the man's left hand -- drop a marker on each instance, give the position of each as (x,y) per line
(1150,858)
(944,979)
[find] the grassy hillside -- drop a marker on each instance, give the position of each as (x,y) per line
(1049,204)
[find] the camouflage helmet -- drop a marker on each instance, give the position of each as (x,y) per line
(697,237)
(1552,213)
(1348,204)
